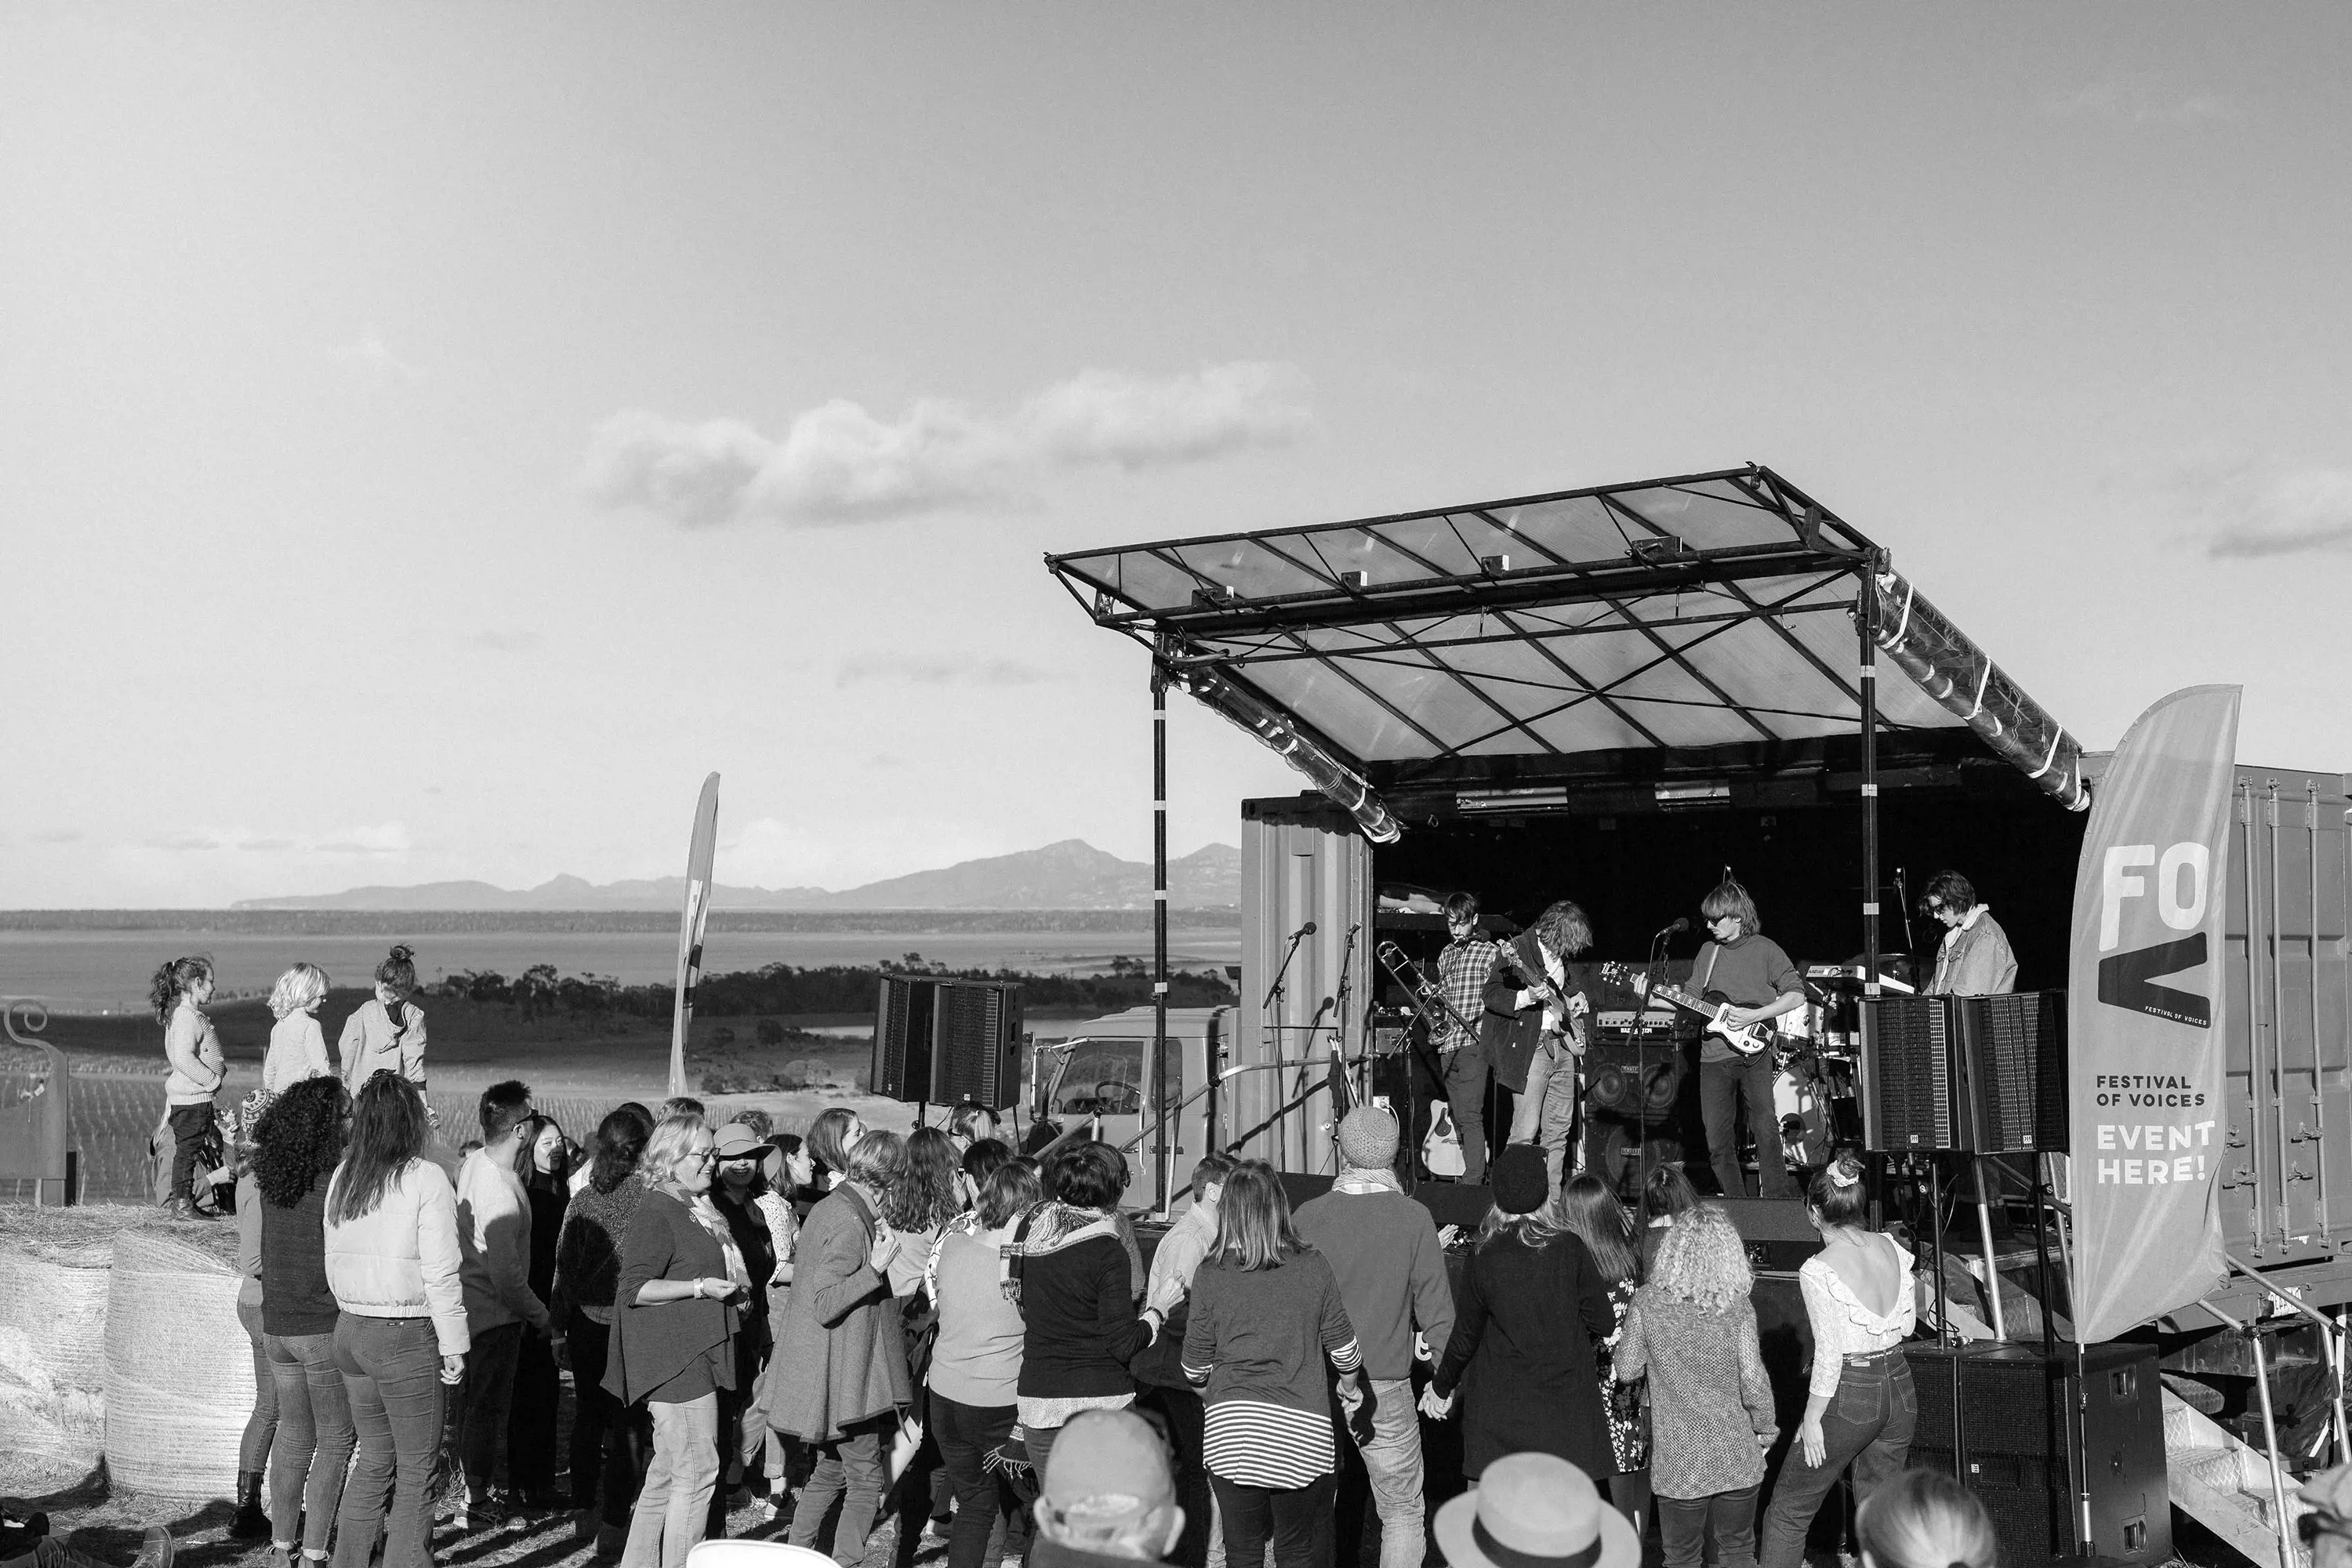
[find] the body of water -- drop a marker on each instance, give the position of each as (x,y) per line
(109,971)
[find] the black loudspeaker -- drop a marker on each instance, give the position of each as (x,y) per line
(943,1042)
(1913,1075)
(2021,1451)
(1779,1235)
(1641,1084)
(2015,1049)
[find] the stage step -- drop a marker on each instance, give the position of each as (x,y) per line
(2225,1485)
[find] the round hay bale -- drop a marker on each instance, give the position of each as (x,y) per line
(179,1371)
(53,1311)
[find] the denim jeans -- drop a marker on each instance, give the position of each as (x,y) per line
(314,1440)
(391,1372)
(1298,1521)
(1684,1524)
(1392,1461)
(1548,1113)
(189,1123)
(531,1420)
(1721,1086)
(261,1427)
(850,1469)
(1868,1425)
(674,1505)
(479,1403)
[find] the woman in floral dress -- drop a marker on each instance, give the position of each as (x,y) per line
(1594,1215)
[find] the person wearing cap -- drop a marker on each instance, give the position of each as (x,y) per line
(1531,1306)
(1535,1511)
(742,1424)
(1383,1248)
(1266,1316)
(1108,1495)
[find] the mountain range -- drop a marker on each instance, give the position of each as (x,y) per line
(1070,875)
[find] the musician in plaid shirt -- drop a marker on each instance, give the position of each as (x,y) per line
(1461,971)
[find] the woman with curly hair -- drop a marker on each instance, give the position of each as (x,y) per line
(297,1145)
(1692,1331)
(920,1202)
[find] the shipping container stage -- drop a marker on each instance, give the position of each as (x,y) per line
(1613,695)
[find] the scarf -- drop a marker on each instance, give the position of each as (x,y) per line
(1358,1183)
(706,1215)
(1055,1226)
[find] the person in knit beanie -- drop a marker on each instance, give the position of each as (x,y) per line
(1383,1251)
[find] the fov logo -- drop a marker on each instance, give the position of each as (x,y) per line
(2183,882)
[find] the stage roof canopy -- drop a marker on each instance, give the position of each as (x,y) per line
(1708,610)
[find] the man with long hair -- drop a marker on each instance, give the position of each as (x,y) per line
(1742,965)
(1535,1032)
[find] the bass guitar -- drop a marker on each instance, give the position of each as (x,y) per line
(1748,1040)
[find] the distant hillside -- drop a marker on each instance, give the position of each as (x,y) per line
(1070,875)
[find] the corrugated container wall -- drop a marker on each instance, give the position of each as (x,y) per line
(1301,861)
(2286,1183)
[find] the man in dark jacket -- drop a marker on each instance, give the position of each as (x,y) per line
(1534,1032)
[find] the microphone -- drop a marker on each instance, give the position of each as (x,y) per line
(1306,930)
(1682,924)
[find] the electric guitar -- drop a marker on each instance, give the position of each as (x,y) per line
(1748,1040)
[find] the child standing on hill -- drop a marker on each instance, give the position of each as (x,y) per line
(1693,1330)
(387,1033)
(182,988)
(298,1049)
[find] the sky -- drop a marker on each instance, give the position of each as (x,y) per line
(432,436)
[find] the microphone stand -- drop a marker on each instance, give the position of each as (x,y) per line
(1270,1024)
(1339,1013)
(1654,973)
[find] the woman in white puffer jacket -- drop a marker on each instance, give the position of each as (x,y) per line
(391,1261)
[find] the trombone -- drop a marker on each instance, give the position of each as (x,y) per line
(1426,992)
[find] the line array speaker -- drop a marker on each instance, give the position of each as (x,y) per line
(1979,1073)
(944,1042)
(2021,1452)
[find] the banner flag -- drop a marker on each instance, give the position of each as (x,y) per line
(691,919)
(2147,1037)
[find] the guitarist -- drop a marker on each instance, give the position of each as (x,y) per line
(1747,968)
(1534,1031)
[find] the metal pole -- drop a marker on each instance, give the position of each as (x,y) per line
(1866,623)
(2270,1441)
(1154,1090)
(1984,1234)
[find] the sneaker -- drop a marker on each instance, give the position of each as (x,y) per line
(155,1552)
(610,1540)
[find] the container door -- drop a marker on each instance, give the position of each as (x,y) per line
(1301,863)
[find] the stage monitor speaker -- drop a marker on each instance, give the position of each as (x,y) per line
(943,1042)
(1779,1235)
(2022,1453)
(2015,1048)
(1632,1083)
(1912,1074)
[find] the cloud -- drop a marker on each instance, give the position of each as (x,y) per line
(838,464)
(2138,98)
(374,356)
(385,838)
(860,668)
(506,641)
(2247,509)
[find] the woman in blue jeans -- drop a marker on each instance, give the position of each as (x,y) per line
(1860,1407)
(296,1144)
(392,1261)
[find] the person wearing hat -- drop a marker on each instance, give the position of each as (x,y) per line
(1383,1251)
(743,1158)
(1521,1355)
(1535,1511)
(1108,1495)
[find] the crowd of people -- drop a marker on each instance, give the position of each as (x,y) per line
(865,1334)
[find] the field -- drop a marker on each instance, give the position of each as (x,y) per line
(578,1068)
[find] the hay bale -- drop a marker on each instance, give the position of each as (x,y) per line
(53,1313)
(179,1371)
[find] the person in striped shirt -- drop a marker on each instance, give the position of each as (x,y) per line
(1265,1315)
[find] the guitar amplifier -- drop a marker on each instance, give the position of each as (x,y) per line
(1635,1083)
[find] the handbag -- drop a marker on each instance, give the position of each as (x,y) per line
(1441,1150)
